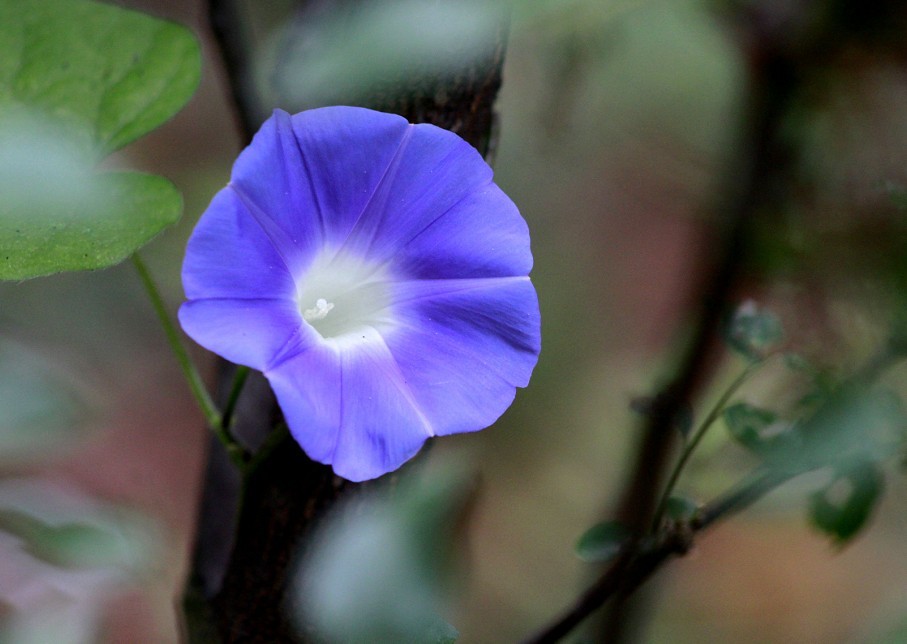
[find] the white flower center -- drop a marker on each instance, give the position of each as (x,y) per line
(339,295)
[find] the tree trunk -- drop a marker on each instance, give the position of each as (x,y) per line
(245,551)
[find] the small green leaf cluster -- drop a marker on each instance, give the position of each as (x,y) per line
(847,427)
(753,332)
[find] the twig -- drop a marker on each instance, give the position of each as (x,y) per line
(751,184)
(638,560)
(193,378)
(239,380)
(227,27)
(213,417)
(700,433)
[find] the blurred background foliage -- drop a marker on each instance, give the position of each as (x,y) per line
(615,122)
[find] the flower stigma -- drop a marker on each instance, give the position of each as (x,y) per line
(340,295)
(319,312)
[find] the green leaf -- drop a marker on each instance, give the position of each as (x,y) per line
(680,508)
(753,332)
(382,47)
(107,75)
(125,211)
(67,545)
(440,632)
(601,542)
(842,508)
(39,408)
(78,80)
(66,530)
(854,424)
(376,570)
(753,427)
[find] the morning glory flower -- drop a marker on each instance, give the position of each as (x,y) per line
(375,274)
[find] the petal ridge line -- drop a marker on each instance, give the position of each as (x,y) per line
(269,300)
(468,284)
(388,175)
(268,226)
(308,175)
(447,211)
(396,376)
(339,413)
(287,351)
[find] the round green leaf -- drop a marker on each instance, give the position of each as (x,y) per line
(601,542)
(750,425)
(122,212)
(681,508)
(40,410)
(842,508)
(752,331)
(105,74)
(79,79)
(376,570)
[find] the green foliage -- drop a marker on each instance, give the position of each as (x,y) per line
(67,545)
(601,542)
(71,552)
(78,80)
(680,508)
(38,408)
(376,570)
(755,428)
(843,507)
(753,332)
(855,424)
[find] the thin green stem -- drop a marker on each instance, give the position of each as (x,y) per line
(239,380)
(698,435)
(213,417)
(193,378)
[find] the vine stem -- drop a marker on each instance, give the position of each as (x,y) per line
(213,417)
(700,433)
(239,380)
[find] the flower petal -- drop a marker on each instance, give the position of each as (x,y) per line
(347,152)
(248,332)
(482,236)
(271,180)
(433,172)
(308,389)
(351,409)
(308,178)
(229,256)
(464,346)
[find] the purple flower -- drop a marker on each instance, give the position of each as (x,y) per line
(375,274)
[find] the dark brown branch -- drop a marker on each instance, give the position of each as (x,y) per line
(235,53)
(639,559)
(756,181)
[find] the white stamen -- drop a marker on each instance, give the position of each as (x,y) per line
(349,295)
(322,308)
